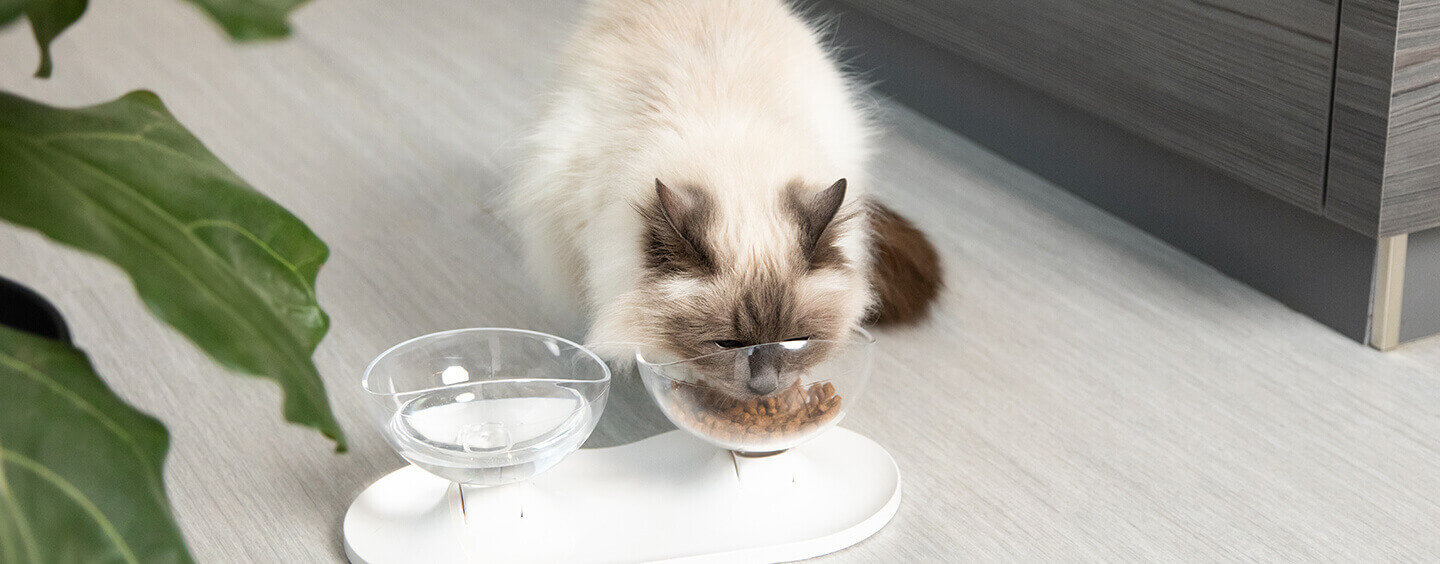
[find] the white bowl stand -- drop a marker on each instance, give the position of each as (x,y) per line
(668,498)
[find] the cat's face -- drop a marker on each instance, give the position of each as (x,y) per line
(717,299)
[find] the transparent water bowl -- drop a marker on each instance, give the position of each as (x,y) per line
(761,399)
(486,407)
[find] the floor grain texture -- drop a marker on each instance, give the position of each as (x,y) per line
(1085,392)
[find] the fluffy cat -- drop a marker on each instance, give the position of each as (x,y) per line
(698,183)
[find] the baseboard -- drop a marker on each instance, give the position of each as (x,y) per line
(1420,304)
(1303,260)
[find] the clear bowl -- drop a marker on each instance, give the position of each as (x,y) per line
(761,399)
(486,407)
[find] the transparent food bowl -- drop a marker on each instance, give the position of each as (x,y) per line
(486,407)
(764,398)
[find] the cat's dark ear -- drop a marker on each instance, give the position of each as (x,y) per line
(823,207)
(677,209)
(815,214)
(677,231)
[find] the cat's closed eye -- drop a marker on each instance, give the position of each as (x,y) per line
(733,344)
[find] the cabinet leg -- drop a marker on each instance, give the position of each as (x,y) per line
(1389,291)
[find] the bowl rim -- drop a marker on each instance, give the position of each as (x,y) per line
(369,368)
(866,340)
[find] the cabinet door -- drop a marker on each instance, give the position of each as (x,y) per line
(1241,85)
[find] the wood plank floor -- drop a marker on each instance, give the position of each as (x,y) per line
(1084,393)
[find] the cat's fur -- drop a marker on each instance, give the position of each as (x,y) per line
(700,178)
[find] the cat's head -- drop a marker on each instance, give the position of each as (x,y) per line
(727,279)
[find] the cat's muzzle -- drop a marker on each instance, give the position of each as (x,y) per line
(759,369)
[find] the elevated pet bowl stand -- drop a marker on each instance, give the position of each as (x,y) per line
(668,498)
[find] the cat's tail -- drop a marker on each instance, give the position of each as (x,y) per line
(905,270)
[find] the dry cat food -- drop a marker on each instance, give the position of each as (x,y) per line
(726,418)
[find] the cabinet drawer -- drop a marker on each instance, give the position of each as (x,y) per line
(1241,85)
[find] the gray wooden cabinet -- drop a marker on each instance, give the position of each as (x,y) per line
(1237,84)
(1385,149)
(1330,106)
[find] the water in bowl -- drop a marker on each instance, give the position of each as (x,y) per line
(491,433)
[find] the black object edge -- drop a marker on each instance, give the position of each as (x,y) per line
(23,309)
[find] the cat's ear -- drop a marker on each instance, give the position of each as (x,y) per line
(824,206)
(680,241)
(817,212)
(678,210)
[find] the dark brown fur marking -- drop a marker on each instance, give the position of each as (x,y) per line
(766,309)
(826,253)
(766,314)
(906,271)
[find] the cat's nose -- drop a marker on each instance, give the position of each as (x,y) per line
(764,384)
(764,371)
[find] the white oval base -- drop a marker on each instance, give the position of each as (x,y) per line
(667,498)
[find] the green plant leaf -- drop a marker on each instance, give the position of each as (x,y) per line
(48,18)
(229,268)
(80,470)
(243,20)
(11,9)
(248,20)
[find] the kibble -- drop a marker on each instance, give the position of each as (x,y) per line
(798,409)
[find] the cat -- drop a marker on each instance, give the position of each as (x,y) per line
(698,184)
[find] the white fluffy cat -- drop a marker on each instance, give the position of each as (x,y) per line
(698,183)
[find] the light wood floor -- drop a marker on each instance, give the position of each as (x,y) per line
(1084,393)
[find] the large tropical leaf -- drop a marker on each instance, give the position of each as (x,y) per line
(247,20)
(229,268)
(80,470)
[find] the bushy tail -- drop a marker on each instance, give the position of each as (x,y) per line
(905,273)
